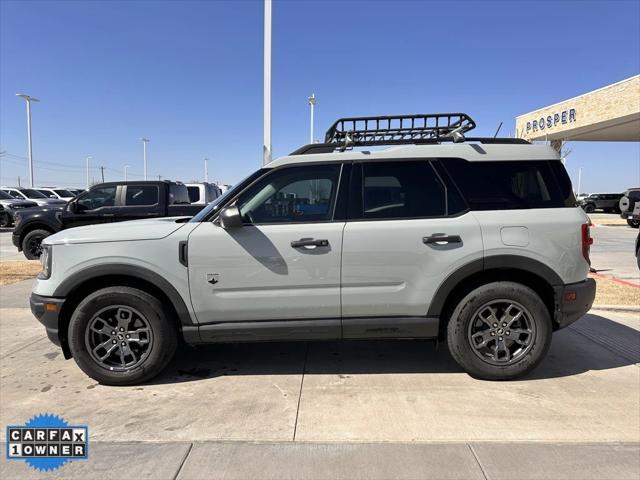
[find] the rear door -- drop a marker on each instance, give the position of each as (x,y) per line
(141,201)
(407,231)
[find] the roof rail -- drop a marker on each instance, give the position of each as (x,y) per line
(428,128)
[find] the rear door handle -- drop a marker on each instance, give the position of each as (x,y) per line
(309,242)
(442,239)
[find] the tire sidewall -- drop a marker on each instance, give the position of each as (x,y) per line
(461,348)
(28,237)
(164,335)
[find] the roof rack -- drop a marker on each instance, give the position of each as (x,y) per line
(398,130)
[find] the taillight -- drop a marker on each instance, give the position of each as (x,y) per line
(587,241)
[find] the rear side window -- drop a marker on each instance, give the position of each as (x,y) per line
(194,194)
(138,195)
(509,185)
(401,189)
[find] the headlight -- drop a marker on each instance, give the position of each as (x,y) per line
(45,260)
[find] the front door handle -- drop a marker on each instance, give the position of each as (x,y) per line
(309,242)
(441,239)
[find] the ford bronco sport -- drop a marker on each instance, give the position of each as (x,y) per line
(474,241)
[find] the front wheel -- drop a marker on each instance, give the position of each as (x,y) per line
(499,331)
(32,243)
(589,208)
(5,220)
(121,336)
(633,223)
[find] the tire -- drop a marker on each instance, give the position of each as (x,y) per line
(465,319)
(5,220)
(102,311)
(31,243)
(589,208)
(633,223)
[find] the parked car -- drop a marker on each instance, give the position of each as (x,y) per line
(59,193)
(480,245)
(102,203)
(627,204)
(76,191)
(607,202)
(33,195)
(9,206)
(202,193)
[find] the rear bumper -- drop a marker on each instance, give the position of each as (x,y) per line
(573,301)
(47,311)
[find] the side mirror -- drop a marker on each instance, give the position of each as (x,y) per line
(230,217)
(72,207)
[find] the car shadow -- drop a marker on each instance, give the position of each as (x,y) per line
(601,344)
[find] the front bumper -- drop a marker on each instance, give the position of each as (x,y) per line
(573,301)
(47,311)
(16,241)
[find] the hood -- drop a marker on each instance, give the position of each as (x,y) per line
(147,229)
(48,201)
(17,203)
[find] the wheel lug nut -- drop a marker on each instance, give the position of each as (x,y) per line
(495,325)
(499,338)
(128,335)
(113,333)
(493,334)
(114,342)
(508,332)
(121,329)
(123,344)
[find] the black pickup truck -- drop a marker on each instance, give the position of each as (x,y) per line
(102,203)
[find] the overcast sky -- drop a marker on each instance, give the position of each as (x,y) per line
(188,75)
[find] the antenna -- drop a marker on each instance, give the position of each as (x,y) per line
(499,127)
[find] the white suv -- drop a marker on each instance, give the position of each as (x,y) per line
(477,241)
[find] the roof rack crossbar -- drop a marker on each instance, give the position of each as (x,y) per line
(390,129)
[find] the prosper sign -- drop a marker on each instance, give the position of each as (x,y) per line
(550,121)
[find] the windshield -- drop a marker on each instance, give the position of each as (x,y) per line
(64,193)
(31,193)
(232,192)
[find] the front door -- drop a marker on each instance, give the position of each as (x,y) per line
(282,265)
(98,205)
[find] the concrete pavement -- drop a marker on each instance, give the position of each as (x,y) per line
(613,252)
(379,409)
(7,250)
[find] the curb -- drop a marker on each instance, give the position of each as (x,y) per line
(617,308)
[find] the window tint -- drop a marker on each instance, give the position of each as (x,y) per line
(138,195)
(178,194)
(64,193)
(47,193)
(14,194)
(4,195)
(97,198)
(194,194)
(32,193)
(401,190)
(297,194)
(512,184)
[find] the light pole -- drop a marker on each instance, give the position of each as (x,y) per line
(125,172)
(144,143)
(88,158)
(206,170)
(579,181)
(312,103)
(266,146)
(29,99)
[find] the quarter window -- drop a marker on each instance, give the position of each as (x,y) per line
(401,189)
(138,195)
(292,195)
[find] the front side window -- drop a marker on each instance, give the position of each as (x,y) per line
(292,195)
(97,198)
(139,195)
(401,189)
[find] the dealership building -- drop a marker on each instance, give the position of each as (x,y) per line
(610,114)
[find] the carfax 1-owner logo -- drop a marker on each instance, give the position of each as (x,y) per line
(46,442)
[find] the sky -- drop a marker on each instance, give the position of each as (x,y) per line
(188,75)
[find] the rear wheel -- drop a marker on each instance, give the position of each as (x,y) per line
(499,331)
(32,243)
(121,336)
(589,208)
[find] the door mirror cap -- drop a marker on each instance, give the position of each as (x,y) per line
(230,218)
(72,207)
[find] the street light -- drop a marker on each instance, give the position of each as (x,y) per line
(206,170)
(312,103)
(266,145)
(88,158)
(144,143)
(125,172)
(29,99)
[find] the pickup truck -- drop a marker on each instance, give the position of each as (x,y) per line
(102,203)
